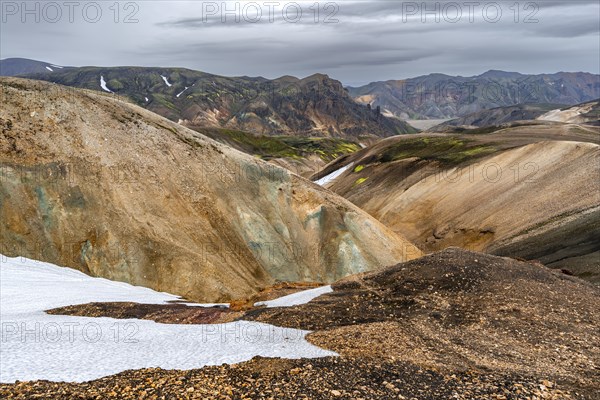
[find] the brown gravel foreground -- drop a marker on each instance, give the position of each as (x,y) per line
(178,313)
(457,311)
(162,313)
(451,325)
(325,378)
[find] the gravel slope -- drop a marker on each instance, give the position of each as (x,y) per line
(455,324)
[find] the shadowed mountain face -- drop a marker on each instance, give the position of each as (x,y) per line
(23,66)
(116,191)
(313,106)
(527,191)
(503,117)
(439,96)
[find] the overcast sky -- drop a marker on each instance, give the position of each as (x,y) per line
(355,42)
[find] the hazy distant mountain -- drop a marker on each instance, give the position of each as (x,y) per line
(23,66)
(496,116)
(443,96)
(313,106)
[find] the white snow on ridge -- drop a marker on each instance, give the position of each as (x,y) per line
(166,81)
(56,66)
(49,69)
(295,299)
(103,85)
(332,176)
(36,345)
(180,93)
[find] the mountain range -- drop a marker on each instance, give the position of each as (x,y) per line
(314,106)
(439,96)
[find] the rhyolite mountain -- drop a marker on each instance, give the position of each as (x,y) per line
(586,113)
(314,106)
(104,186)
(439,96)
(527,190)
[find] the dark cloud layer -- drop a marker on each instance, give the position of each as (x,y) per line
(372,40)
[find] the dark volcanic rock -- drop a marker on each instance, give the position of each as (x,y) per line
(460,310)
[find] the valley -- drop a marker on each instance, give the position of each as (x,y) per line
(293,243)
(506,192)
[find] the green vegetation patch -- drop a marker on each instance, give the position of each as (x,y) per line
(359,168)
(447,150)
(161,99)
(359,181)
(268,147)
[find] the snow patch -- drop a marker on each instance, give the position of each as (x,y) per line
(49,69)
(295,299)
(36,345)
(56,66)
(166,81)
(146,99)
(103,85)
(180,93)
(332,176)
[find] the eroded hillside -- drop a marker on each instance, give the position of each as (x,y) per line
(528,191)
(313,106)
(116,191)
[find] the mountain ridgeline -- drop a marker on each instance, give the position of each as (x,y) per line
(439,96)
(313,106)
(487,121)
(23,66)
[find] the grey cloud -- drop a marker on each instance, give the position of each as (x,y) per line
(371,42)
(570,29)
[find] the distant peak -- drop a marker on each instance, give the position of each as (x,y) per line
(317,76)
(496,73)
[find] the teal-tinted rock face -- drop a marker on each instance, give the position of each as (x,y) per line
(147,201)
(44,207)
